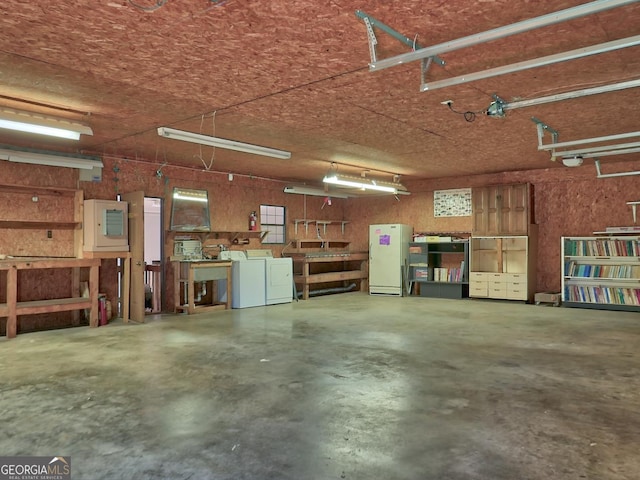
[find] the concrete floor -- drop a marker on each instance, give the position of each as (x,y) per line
(338,387)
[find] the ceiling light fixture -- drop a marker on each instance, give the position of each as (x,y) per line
(318,192)
(41,157)
(362,183)
(575,161)
(20,121)
(191,137)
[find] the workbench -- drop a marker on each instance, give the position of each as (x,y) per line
(13,308)
(209,272)
(349,266)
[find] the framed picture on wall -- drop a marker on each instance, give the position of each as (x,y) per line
(452,203)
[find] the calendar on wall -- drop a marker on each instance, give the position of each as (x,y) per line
(452,203)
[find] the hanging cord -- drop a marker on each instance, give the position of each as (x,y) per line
(469,115)
(213,152)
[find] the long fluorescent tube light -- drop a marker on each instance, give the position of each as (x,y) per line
(42,125)
(569,95)
(52,159)
(354,182)
(318,192)
(534,63)
(191,137)
(501,32)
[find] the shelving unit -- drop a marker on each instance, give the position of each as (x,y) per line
(431,269)
(601,272)
(306,222)
(13,308)
(503,267)
(230,235)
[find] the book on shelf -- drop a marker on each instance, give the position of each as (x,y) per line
(603,295)
(604,247)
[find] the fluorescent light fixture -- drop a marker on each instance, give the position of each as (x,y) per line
(40,157)
(318,192)
(536,62)
(501,32)
(362,183)
(191,137)
(191,195)
(42,125)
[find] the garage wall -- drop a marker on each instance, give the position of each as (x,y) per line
(567,202)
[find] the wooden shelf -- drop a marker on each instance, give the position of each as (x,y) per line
(309,245)
(40,225)
(57,191)
(229,235)
(324,223)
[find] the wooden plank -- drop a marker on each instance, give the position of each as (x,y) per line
(58,191)
(94,279)
(322,258)
(50,306)
(25,263)
(12,297)
(330,277)
(40,225)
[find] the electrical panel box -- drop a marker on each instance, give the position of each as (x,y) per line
(106,226)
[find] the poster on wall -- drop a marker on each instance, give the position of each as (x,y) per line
(452,203)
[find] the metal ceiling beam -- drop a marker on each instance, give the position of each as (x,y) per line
(501,32)
(602,148)
(534,63)
(369,21)
(619,136)
(608,153)
(569,95)
(619,174)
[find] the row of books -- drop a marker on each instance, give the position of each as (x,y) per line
(603,247)
(441,274)
(604,295)
(574,269)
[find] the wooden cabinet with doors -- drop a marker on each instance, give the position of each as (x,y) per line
(503,267)
(503,209)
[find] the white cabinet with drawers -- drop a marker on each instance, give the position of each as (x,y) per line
(503,267)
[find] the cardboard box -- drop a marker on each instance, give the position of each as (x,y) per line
(547,297)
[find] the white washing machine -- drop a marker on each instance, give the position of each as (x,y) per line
(247,280)
(278,276)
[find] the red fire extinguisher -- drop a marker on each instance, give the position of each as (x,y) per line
(253,221)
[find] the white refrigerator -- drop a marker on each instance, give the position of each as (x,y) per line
(388,258)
